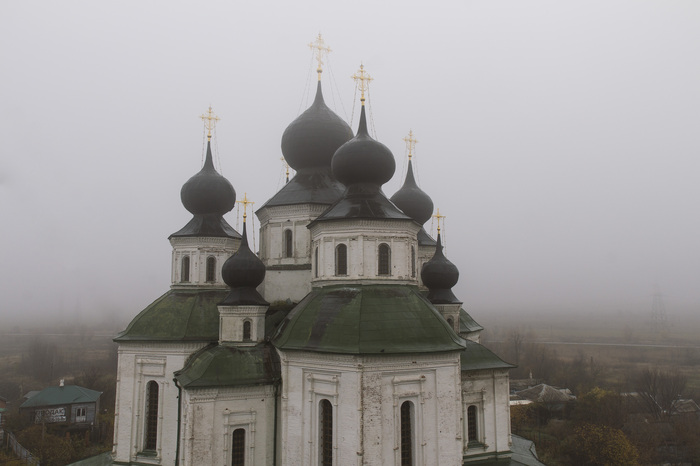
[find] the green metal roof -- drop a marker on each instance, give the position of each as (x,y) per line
(477,357)
(216,366)
(366,319)
(467,324)
(178,315)
(68,394)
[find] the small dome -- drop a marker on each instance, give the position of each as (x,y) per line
(440,275)
(363,160)
(412,200)
(243,269)
(208,192)
(312,139)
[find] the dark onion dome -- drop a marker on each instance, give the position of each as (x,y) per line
(363,165)
(363,160)
(243,272)
(207,192)
(312,139)
(412,200)
(440,275)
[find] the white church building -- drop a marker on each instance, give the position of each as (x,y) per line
(376,363)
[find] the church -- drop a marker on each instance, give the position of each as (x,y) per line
(376,362)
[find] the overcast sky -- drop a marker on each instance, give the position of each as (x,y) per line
(560,139)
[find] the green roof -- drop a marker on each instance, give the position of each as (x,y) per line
(366,319)
(68,394)
(216,366)
(477,357)
(467,324)
(178,315)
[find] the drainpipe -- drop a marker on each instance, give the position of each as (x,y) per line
(179,414)
(274,435)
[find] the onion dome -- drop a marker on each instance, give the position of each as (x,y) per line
(412,200)
(243,272)
(312,139)
(207,192)
(440,275)
(363,160)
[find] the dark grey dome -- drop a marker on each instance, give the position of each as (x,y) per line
(243,272)
(208,192)
(312,139)
(363,160)
(412,200)
(440,275)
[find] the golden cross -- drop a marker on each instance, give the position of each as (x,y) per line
(438,217)
(320,47)
(286,166)
(209,120)
(245,203)
(410,144)
(364,79)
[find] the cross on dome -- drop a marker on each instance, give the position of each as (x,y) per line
(410,144)
(320,47)
(363,78)
(209,120)
(245,201)
(438,217)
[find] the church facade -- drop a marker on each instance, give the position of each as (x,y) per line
(377,362)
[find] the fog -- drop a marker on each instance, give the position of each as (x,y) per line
(560,139)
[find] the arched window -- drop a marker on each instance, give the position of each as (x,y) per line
(471,424)
(316,262)
(185,269)
(451,322)
(288,243)
(246,330)
(211,269)
(384,259)
(413,261)
(151,439)
(238,448)
(341,260)
(407,433)
(325,431)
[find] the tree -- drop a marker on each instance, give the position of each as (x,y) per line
(659,390)
(599,445)
(601,407)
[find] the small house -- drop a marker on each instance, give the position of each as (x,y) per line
(65,405)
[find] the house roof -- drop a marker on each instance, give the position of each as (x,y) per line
(544,393)
(366,319)
(309,186)
(56,395)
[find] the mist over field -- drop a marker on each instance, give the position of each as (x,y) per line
(560,139)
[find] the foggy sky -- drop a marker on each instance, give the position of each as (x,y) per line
(560,139)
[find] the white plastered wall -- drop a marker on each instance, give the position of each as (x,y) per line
(362,239)
(138,364)
(366,393)
(210,416)
(489,391)
(198,249)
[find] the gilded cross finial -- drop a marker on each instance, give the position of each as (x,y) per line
(364,78)
(438,217)
(209,120)
(286,167)
(410,143)
(245,203)
(320,47)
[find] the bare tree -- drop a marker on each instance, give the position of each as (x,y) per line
(658,391)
